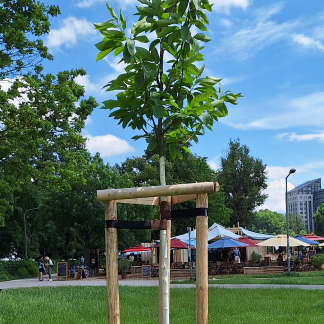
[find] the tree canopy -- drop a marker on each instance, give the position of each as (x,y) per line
(319,220)
(243,179)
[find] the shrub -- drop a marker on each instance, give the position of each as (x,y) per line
(318,260)
(255,256)
(10,270)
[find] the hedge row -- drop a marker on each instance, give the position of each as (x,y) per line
(10,270)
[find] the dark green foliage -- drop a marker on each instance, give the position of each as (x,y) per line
(319,221)
(269,222)
(243,180)
(10,270)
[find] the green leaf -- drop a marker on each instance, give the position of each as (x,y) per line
(196,4)
(102,54)
(130,46)
(165,22)
(144,53)
(202,37)
(185,149)
(172,151)
(185,33)
(122,20)
(105,25)
(200,71)
(107,44)
(183,6)
(152,145)
(155,55)
(139,79)
(118,50)
(200,25)
(109,104)
(179,155)
(158,111)
(142,39)
(126,55)
(168,3)
(165,31)
(112,13)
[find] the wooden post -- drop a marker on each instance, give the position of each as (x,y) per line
(201,262)
(112,265)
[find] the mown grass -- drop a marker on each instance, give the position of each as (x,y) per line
(294,278)
(140,305)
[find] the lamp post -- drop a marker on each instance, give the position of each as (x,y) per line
(287,221)
(25,229)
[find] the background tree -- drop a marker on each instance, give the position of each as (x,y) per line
(22,22)
(296,224)
(319,220)
(243,179)
(41,116)
(269,222)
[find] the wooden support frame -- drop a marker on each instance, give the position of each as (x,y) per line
(151,196)
(144,192)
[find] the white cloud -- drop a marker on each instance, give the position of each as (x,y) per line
(308,42)
(257,34)
(122,3)
(300,138)
(108,145)
(302,111)
(276,195)
(213,165)
(225,6)
(71,30)
(226,22)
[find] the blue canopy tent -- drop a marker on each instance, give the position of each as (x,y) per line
(224,243)
(305,240)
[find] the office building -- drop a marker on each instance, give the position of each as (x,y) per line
(304,200)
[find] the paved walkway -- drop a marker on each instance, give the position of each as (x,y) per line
(34,282)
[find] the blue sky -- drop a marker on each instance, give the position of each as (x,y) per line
(271,52)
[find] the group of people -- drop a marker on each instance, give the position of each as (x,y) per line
(45,263)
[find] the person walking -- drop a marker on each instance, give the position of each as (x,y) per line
(49,265)
(40,263)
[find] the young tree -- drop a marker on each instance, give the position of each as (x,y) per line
(169,102)
(243,179)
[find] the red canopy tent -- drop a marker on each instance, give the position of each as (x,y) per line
(137,248)
(249,242)
(314,237)
(177,244)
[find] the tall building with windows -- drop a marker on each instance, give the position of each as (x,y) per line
(304,200)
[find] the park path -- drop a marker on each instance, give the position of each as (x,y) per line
(34,282)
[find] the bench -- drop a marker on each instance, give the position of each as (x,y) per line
(263,270)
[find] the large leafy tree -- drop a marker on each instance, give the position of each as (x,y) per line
(22,22)
(40,137)
(319,221)
(41,116)
(243,179)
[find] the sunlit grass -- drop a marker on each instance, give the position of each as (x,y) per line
(140,305)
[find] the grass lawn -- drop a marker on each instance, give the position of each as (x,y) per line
(140,305)
(294,278)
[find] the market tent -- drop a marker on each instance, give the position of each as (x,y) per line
(314,237)
(306,240)
(192,242)
(281,240)
(217,230)
(225,242)
(176,244)
(184,237)
(137,248)
(255,236)
(249,242)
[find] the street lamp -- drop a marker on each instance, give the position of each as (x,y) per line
(287,221)
(25,230)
